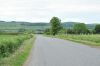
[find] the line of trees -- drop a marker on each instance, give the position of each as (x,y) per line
(79,28)
(97,29)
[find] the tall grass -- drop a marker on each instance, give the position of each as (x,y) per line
(9,43)
(86,39)
(19,57)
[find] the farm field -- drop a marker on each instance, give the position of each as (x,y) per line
(93,40)
(11,47)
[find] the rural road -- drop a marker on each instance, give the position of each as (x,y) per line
(57,52)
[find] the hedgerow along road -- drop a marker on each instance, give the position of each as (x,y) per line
(57,52)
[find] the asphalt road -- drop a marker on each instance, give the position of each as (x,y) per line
(57,52)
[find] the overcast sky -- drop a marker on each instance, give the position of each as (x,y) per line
(87,11)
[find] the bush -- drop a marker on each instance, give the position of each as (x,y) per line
(47,32)
(97,29)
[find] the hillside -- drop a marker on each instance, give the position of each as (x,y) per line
(15,26)
(70,25)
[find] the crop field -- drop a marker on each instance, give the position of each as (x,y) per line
(9,43)
(86,39)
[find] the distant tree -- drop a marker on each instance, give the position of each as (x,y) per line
(70,31)
(97,28)
(91,31)
(88,31)
(47,31)
(63,31)
(80,28)
(55,25)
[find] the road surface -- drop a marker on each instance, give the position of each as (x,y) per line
(57,52)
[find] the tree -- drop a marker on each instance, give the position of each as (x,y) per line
(70,31)
(97,28)
(55,25)
(80,28)
(63,31)
(47,31)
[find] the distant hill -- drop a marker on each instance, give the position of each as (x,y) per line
(91,26)
(22,25)
(70,25)
(15,26)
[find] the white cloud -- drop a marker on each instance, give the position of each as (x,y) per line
(43,10)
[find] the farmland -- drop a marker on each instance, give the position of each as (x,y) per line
(93,40)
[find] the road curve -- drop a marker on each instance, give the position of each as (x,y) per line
(57,52)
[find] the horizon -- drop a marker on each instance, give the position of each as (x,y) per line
(48,22)
(85,11)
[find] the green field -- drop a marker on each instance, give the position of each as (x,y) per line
(93,40)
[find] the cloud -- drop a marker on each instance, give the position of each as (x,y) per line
(43,10)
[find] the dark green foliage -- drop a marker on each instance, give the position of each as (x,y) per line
(47,31)
(55,25)
(70,31)
(63,31)
(80,28)
(97,28)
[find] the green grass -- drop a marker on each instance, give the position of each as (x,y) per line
(18,57)
(10,43)
(93,40)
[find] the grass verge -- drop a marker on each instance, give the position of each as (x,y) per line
(19,57)
(91,40)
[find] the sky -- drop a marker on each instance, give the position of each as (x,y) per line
(86,11)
